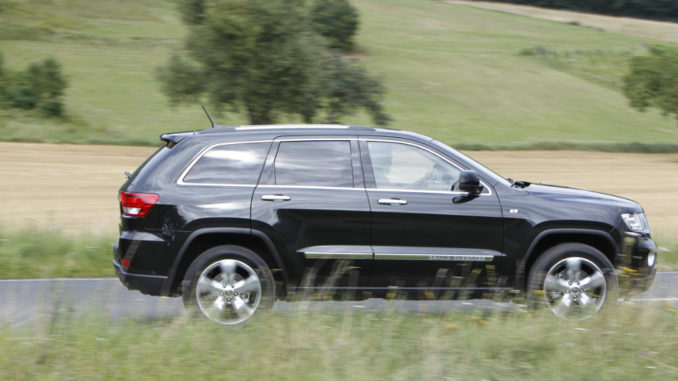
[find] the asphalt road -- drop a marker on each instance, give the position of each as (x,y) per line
(31,300)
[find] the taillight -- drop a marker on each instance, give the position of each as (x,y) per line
(137,204)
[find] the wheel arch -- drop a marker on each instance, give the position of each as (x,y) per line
(202,239)
(598,239)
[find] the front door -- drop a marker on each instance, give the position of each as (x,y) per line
(425,235)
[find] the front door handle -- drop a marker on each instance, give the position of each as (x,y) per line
(275,197)
(392,201)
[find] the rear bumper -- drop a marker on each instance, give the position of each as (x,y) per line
(146,284)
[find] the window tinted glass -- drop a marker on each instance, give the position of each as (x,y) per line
(229,164)
(402,166)
(314,163)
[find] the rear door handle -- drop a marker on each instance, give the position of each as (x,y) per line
(275,197)
(392,201)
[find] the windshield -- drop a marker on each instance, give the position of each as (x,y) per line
(483,169)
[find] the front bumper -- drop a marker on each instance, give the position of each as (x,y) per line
(637,265)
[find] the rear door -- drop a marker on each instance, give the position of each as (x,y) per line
(311,199)
(424,234)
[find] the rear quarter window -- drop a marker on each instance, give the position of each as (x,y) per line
(229,164)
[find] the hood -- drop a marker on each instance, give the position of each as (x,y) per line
(560,193)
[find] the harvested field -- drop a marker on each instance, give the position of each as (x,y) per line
(656,30)
(73,187)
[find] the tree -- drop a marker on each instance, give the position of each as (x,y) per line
(653,81)
(263,57)
(336,20)
(346,86)
(192,11)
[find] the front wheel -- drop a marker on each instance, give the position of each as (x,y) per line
(228,284)
(573,280)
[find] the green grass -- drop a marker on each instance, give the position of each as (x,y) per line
(629,342)
(451,71)
(33,253)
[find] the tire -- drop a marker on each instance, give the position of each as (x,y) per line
(228,284)
(573,280)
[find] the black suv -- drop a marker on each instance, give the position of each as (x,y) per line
(233,218)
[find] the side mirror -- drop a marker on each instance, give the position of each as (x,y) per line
(470,182)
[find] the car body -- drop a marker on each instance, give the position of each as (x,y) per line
(364,212)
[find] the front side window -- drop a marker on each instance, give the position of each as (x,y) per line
(314,163)
(229,164)
(402,166)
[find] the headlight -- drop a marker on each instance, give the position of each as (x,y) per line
(636,222)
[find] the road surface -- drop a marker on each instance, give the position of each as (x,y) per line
(31,300)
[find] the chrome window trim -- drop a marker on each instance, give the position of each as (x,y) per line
(307,187)
(367,140)
(455,193)
(203,151)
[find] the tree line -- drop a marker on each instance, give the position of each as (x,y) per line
(653,9)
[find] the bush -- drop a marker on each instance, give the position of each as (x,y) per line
(336,20)
(40,86)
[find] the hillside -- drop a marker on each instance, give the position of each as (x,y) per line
(451,71)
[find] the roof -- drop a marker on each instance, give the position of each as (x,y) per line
(272,130)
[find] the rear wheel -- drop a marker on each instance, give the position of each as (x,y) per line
(573,280)
(228,284)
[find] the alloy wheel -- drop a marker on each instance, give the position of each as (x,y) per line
(228,291)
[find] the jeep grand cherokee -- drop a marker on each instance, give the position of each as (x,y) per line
(233,218)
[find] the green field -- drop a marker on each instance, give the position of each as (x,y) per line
(630,342)
(451,71)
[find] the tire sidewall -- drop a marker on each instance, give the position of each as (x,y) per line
(217,253)
(535,282)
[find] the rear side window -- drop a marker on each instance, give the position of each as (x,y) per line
(314,163)
(229,164)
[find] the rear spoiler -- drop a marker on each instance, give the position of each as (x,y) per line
(173,138)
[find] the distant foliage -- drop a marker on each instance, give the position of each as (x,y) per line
(654,9)
(653,81)
(263,57)
(345,86)
(336,20)
(41,86)
(192,11)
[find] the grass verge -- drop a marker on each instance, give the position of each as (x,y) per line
(32,253)
(627,342)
